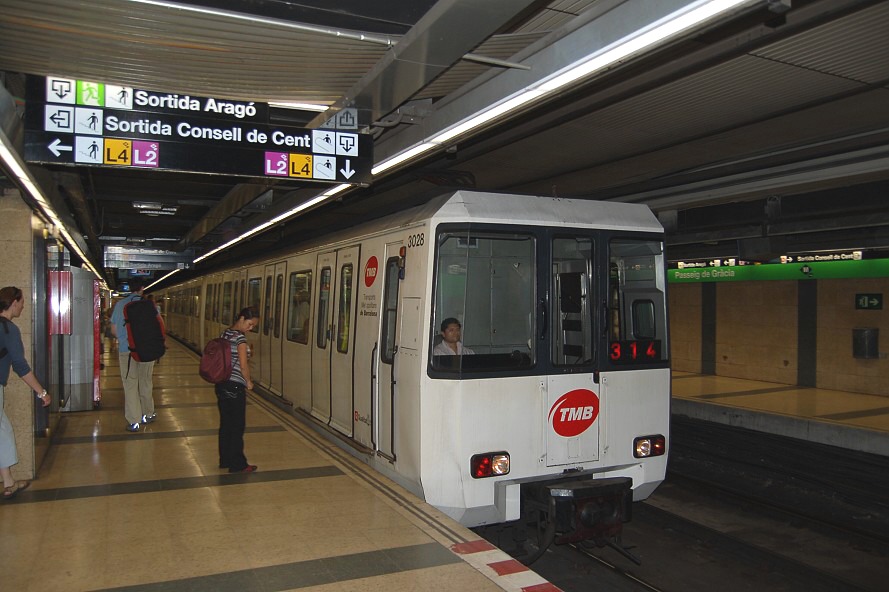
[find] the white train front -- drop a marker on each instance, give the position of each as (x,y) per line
(559,418)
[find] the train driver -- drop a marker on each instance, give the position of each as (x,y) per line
(451,345)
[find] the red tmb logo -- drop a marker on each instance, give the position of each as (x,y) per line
(370,271)
(574,412)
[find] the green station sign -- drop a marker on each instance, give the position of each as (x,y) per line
(796,270)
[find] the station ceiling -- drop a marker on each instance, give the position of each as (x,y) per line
(763,132)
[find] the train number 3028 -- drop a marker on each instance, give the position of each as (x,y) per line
(416,240)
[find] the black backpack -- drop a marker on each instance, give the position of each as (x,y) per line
(145,330)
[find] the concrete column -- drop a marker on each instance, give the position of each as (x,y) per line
(16,269)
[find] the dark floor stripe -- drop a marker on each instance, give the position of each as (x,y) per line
(88,491)
(855,414)
(168,406)
(158,435)
(317,572)
(684,376)
(763,391)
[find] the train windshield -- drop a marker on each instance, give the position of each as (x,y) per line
(484,301)
(637,317)
(546,301)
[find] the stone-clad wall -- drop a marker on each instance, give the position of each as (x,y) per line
(837,317)
(685,326)
(757,332)
(16,270)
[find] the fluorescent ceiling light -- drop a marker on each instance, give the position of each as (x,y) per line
(160,279)
(670,25)
(301,106)
(402,157)
(321,197)
(487,115)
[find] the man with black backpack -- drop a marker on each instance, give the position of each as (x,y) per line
(139,330)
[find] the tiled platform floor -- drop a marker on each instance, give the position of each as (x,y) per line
(851,420)
(113,510)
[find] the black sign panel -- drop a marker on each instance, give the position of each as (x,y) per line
(88,133)
(72,92)
(868,301)
(182,157)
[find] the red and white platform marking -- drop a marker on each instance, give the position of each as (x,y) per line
(500,568)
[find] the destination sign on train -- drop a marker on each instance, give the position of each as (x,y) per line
(74,122)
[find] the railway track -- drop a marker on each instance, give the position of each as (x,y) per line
(739,512)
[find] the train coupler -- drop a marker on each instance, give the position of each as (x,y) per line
(586,510)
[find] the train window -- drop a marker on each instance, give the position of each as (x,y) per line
(227,303)
(217,297)
(323,304)
(279,303)
(254,286)
(485,280)
(300,306)
(643,319)
(236,300)
(637,319)
(208,309)
(344,312)
(571,329)
(390,309)
(267,311)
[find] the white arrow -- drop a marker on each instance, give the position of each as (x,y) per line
(57,148)
(348,171)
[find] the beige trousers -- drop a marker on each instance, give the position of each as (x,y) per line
(137,386)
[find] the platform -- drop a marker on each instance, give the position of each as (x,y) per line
(848,420)
(151,511)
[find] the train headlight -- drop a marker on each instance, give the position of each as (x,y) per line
(489,464)
(646,446)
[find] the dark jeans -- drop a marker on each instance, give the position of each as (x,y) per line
(231,398)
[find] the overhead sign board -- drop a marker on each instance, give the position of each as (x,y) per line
(820,270)
(142,258)
(73,122)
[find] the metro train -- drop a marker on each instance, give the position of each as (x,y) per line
(559,418)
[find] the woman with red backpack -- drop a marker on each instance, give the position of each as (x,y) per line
(231,396)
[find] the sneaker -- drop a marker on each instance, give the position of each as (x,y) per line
(133,427)
(149,418)
(247,469)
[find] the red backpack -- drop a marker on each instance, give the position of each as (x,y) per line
(216,361)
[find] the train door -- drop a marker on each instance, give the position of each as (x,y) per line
(272,332)
(384,386)
(342,355)
(321,341)
(572,396)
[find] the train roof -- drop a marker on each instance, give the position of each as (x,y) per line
(499,208)
(533,210)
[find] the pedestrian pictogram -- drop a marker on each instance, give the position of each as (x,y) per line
(324,167)
(90,93)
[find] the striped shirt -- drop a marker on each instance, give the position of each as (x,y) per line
(235,338)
